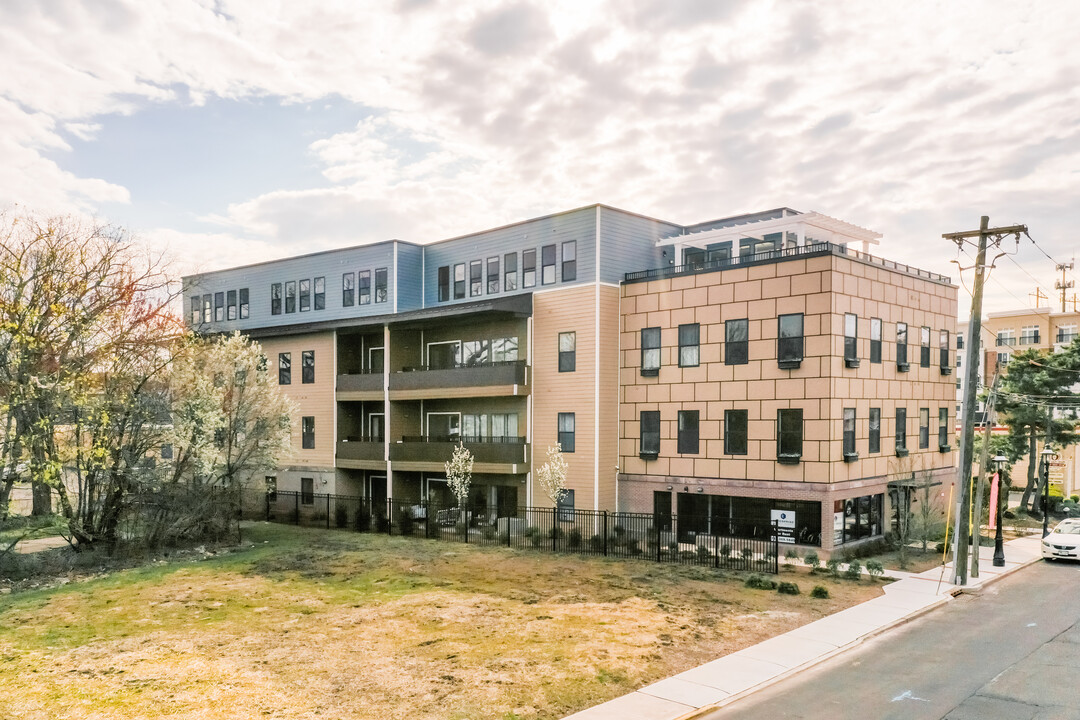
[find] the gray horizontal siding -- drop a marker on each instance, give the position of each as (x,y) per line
(579,225)
(628,243)
(410,277)
(258,278)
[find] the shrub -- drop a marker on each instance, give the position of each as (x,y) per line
(820,591)
(596,543)
(362,520)
(791,556)
(747,554)
(406,522)
(812,561)
(618,531)
(874,569)
(673,546)
(489,532)
(787,588)
(703,553)
(1008,514)
(725,551)
(758,582)
(1075,498)
(504,538)
(341,515)
(833,566)
(319,517)
(574,539)
(555,533)
(532,534)
(853,571)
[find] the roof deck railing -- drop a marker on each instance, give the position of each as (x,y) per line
(815,249)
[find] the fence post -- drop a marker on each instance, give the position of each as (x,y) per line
(466,524)
(268,506)
(296,498)
(716,551)
(327,511)
(605,533)
(389,516)
(776,547)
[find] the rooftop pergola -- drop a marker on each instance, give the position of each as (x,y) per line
(807,228)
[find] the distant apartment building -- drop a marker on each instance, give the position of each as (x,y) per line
(732,370)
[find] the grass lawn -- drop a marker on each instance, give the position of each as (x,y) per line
(317,624)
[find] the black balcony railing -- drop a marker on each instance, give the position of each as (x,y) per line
(1065,337)
(359,382)
(510,372)
(769,256)
(438,449)
(730,543)
(361,449)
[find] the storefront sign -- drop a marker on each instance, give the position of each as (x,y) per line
(784,521)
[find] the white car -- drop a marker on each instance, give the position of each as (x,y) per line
(1063,542)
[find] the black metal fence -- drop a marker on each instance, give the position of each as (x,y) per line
(743,545)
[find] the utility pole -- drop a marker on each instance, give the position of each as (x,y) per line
(984,462)
(967,423)
(1038,295)
(1062,285)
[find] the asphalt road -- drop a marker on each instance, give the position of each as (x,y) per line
(1010,653)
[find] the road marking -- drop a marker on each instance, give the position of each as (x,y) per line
(907,695)
(1032,624)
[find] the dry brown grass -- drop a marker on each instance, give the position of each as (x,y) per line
(332,625)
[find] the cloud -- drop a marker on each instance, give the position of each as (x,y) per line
(517,29)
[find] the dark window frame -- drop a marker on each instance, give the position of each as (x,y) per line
(276,296)
(548,255)
(689,345)
(494,279)
(567,436)
(245,303)
(568,357)
(230,305)
(348,289)
(875,340)
(902,364)
(307,432)
(363,287)
(900,432)
(943,347)
(476,278)
(569,267)
(851,340)
(789,435)
(528,268)
(689,423)
(943,430)
(649,434)
(874,431)
(382,285)
(307,491)
(443,275)
(208,308)
(650,347)
(284,368)
(849,420)
(510,272)
(459,280)
(219,307)
(736,431)
(305,294)
(318,292)
(924,346)
(290,297)
(924,428)
(307,367)
(196,310)
(790,347)
(737,352)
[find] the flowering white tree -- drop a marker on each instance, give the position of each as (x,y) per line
(459,473)
(552,475)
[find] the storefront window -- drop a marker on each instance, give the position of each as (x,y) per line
(857,518)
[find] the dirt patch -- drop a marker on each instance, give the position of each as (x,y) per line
(335,625)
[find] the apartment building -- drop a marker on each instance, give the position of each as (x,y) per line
(617,336)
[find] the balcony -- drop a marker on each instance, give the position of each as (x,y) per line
(485,380)
(490,454)
(1064,338)
(361,454)
(362,386)
(1029,339)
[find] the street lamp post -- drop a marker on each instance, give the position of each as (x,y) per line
(999,542)
(1047,453)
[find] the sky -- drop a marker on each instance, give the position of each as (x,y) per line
(233,131)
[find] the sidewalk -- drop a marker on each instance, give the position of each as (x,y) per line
(733,676)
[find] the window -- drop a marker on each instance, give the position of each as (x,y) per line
(219,306)
(196,310)
(959,341)
(307,430)
(504,425)
(459,281)
(1029,335)
(504,349)
(849,435)
(474,427)
(307,367)
(1006,338)
(1002,359)
(875,340)
(510,272)
(650,351)
(901,432)
(924,428)
(924,346)
(166,451)
(381,283)
(275,299)
(208,307)
(789,432)
(567,352)
(444,283)
(735,422)
(689,349)
(245,304)
(476,278)
(307,491)
(320,293)
(348,288)
(565,506)
(547,261)
(688,432)
(789,351)
(284,368)
(860,517)
(943,343)
(305,295)
(290,296)
(528,268)
(737,345)
(851,340)
(1066,333)
(566,432)
(476,352)
(569,260)
(364,294)
(901,347)
(230,305)
(694,258)
(650,434)
(492,275)
(943,429)
(875,431)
